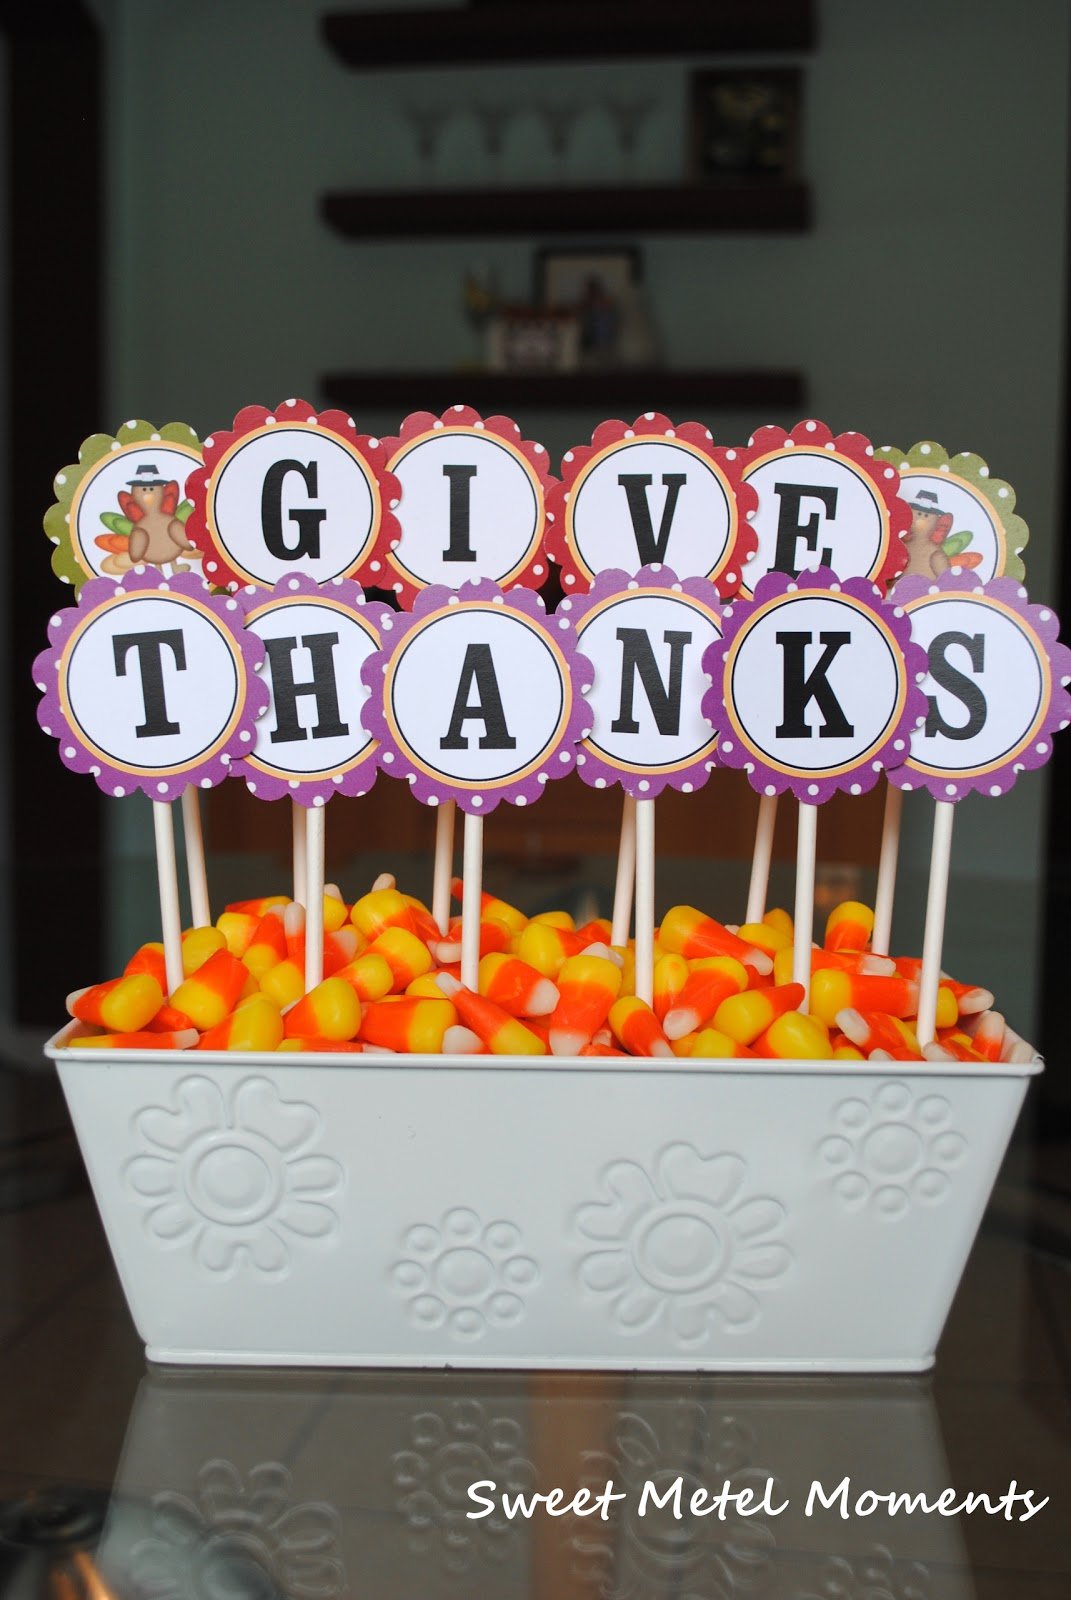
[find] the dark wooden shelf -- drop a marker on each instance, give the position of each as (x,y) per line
(620,389)
(523,31)
(445,213)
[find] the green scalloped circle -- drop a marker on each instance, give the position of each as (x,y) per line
(974,472)
(65,562)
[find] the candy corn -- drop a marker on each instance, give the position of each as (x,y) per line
(392,984)
(587,988)
(122,1005)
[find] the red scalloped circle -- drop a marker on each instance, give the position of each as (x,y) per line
(859,450)
(731,461)
(534,572)
(372,569)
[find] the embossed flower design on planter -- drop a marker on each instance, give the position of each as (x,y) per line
(683,1241)
(630,1556)
(877,1575)
(234,1178)
(892,1151)
(463,1275)
(448,1450)
(239,1537)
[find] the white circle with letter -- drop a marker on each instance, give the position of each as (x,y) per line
(814,683)
(315,649)
(988,685)
(647,650)
(287,499)
(477,695)
(816,509)
(648,501)
(153,683)
(471,507)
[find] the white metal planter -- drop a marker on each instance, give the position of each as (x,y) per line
(497,1212)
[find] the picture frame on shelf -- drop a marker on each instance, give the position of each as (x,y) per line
(599,285)
(745,125)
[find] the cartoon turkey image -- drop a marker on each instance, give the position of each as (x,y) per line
(931,545)
(150,525)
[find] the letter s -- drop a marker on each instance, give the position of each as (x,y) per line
(480,1499)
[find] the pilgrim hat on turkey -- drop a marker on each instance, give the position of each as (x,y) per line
(926,500)
(147,476)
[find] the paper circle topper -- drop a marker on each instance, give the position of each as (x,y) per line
(961,516)
(824,502)
(123,504)
(996,686)
(651,494)
(645,638)
(472,502)
(814,686)
(477,698)
(288,491)
(311,743)
(151,684)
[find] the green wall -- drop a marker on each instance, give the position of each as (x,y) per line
(926,302)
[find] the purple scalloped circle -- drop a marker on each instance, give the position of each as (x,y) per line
(809,787)
(430,790)
(230,610)
(1046,625)
(593,768)
(355,779)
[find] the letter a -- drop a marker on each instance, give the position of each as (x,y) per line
(479,666)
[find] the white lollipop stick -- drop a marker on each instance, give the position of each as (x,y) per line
(471,893)
(196,871)
(167,876)
(890,852)
(444,863)
(803,912)
(626,874)
(299,818)
(934,936)
(314,902)
(645,899)
(761,858)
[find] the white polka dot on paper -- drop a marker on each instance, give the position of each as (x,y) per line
(812,788)
(769,790)
(994,788)
(161,788)
(727,746)
(856,788)
(318,800)
(643,785)
(119,791)
(600,783)
(686,788)
(950,788)
(521,800)
(70,751)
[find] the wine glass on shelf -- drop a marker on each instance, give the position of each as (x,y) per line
(628,113)
(427,122)
(559,117)
(493,117)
